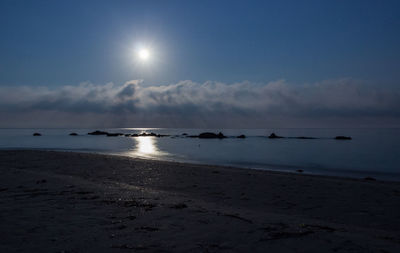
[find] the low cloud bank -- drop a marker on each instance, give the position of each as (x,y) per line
(209,104)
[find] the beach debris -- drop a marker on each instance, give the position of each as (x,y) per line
(73,134)
(130,217)
(146,228)
(97,132)
(318,227)
(274,136)
(37,134)
(340,137)
(235,216)
(286,235)
(126,246)
(179,206)
(41,181)
(242,136)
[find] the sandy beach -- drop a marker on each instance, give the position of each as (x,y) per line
(80,202)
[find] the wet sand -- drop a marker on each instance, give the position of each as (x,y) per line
(79,202)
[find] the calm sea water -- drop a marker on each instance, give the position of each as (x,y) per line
(371,152)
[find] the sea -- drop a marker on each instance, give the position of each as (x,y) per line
(371,152)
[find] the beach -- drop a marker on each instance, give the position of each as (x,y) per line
(81,202)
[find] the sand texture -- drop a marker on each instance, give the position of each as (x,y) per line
(80,202)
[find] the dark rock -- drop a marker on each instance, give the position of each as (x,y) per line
(184,134)
(147,134)
(113,134)
(274,136)
(97,132)
(73,134)
(242,136)
(342,138)
(179,206)
(221,135)
(127,135)
(305,138)
(162,135)
(37,134)
(300,170)
(134,135)
(370,179)
(211,135)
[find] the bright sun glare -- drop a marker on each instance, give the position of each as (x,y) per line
(144,54)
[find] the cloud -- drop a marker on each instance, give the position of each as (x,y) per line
(188,103)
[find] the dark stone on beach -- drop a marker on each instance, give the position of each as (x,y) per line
(127,135)
(370,179)
(300,170)
(37,134)
(179,206)
(184,134)
(134,135)
(342,138)
(73,134)
(211,135)
(274,136)
(97,132)
(242,136)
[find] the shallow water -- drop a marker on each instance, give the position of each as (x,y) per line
(371,152)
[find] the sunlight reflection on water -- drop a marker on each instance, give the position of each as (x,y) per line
(147,147)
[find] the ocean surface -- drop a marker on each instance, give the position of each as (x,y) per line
(371,152)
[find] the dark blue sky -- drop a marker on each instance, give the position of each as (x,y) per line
(66,42)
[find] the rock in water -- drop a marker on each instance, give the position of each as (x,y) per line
(97,132)
(73,134)
(342,138)
(274,136)
(37,134)
(242,136)
(211,135)
(113,134)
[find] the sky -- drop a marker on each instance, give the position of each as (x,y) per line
(212,63)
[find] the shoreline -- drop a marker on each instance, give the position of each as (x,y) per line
(83,202)
(318,172)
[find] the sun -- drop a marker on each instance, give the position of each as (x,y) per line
(144,54)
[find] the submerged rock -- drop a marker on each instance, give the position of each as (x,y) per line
(242,136)
(274,136)
(37,134)
(73,134)
(97,132)
(342,138)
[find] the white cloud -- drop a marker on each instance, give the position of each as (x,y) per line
(189,103)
